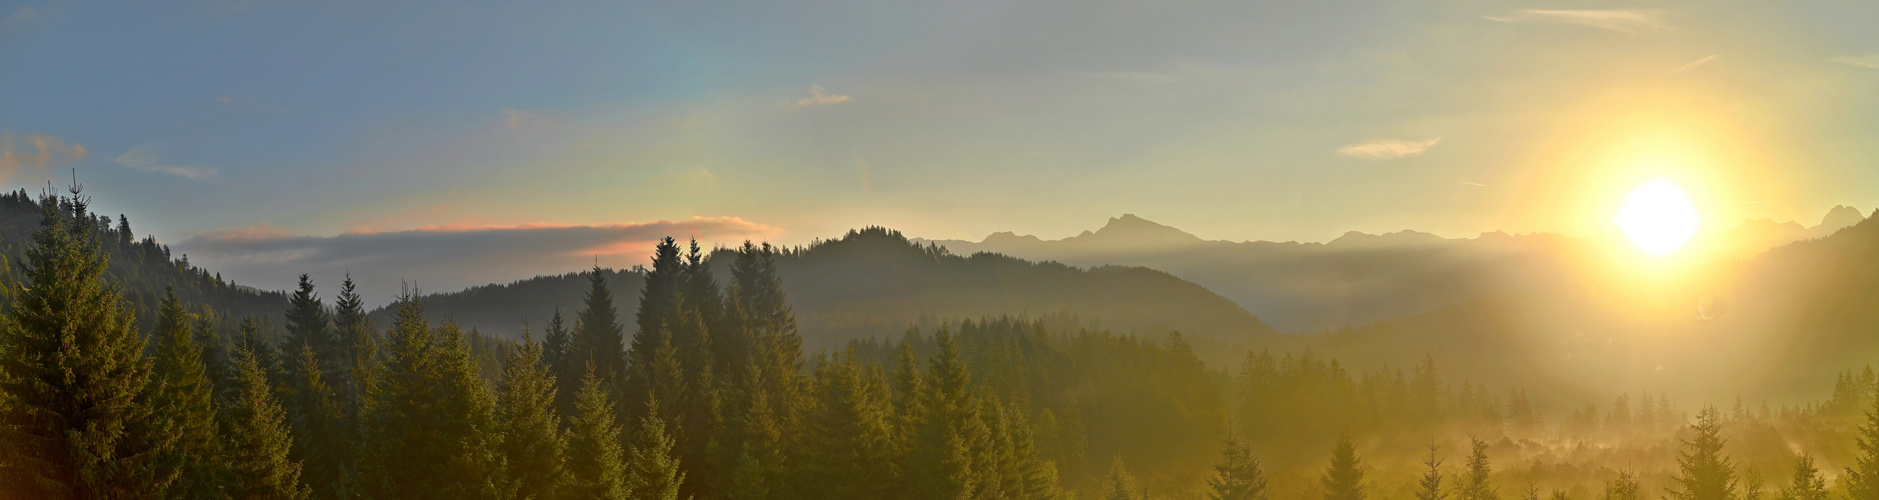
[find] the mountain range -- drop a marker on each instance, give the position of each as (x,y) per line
(1361,278)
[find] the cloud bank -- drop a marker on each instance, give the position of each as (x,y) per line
(446,258)
(142,159)
(1387,149)
(817,97)
(1620,20)
(39,151)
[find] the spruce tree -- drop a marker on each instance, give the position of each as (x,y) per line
(1429,485)
(1862,478)
(215,357)
(653,472)
(848,436)
(358,347)
(1119,484)
(1237,476)
(557,354)
(1807,483)
(320,442)
(596,465)
(1703,473)
(1344,478)
(249,336)
(534,446)
(257,440)
(1474,484)
(186,396)
(431,427)
(1624,487)
(939,461)
(597,337)
(308,328)
(77,412)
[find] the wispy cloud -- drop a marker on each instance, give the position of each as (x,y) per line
(1626,21)
(1387,149)
(1861,60)
(141,158)
(818,97)
(39,151)
(447,257)
(1693,64)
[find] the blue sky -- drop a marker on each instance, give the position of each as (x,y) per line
(275,137)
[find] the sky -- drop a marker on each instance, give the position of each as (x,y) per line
(456,143)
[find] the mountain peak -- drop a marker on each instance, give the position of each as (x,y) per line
(1131,227)
(1841,216)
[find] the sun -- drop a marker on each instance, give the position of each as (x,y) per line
(1658,217)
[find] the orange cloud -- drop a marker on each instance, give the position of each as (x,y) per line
(39,151)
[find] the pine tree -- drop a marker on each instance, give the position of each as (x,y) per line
(939,463)
(1624,487)
(359,350)
(1119,484)
(558,356)
(653,472)
(596,465)
(597,337)
(430,429)
(215,357)
(534,447)
(1429,486)
(1807,483)
(1862,478)
(848,440)
(320,442)
(77,416)
(1703,473)
(308,330)
(186,397)
(1237,475)
(1474,484)
(1344,478)
(257,439)
(249,336)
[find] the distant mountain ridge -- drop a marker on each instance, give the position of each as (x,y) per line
(1357,278)
(875,281)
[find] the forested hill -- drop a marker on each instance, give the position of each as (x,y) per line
(875,281)
(141,267)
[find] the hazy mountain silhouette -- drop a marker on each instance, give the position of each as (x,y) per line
(875,282)
(1358,278)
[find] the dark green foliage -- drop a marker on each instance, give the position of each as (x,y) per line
(597,338)
(1703,472)
(559,361)
(596,464)
(1344,478)
(430,431)
(1807,483)
(1474,483)
(1237,476)
(251,337)
(256,439)
(319,436)
(309,329)
(358,345)
(79,412)
(533,445)
(215,357)
(186,398)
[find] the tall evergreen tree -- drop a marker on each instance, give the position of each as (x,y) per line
(214,355)
(1807,483)
(1344,478)
(77,416)
(847,442)
(1119,484)
(1703,472)
(1429,485)
(257,439)
(431,425)
(249,336)
(1237,476)
(1862,477)
(358,346)
(596,465)
(940,462)
(534,447)
(308,328)
(557,354)
(320,442)
(653,472)
(187,399)
(1474,484)
(1624,487)
(597,336)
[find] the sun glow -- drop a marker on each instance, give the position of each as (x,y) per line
(1658,217)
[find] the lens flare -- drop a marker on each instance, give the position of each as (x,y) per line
(1658,217)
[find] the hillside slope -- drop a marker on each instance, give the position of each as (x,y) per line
(876,282)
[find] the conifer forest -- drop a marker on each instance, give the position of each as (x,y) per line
(958,250)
